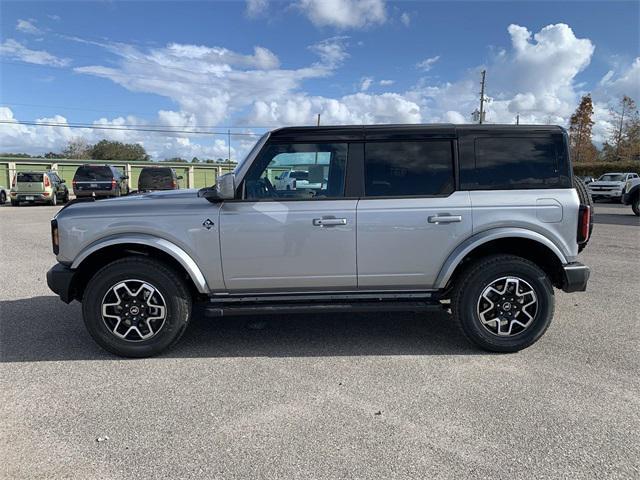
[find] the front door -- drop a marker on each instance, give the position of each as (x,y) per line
(410,218)
(294,237)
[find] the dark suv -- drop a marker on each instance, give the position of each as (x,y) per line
(99,181)
(158,178)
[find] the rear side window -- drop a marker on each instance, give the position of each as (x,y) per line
(29,177)
(504,163)
(94,173)
(400,169)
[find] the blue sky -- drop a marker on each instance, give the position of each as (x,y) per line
(265,64)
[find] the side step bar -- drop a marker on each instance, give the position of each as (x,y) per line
(263,308)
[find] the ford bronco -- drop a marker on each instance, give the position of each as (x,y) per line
(482,220)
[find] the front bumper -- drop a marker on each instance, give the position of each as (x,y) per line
(606,193)
(60,281)
(575,277)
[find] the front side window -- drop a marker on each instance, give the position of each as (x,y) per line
(297,171)
(412,168)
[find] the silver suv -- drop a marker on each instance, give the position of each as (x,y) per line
(483,221)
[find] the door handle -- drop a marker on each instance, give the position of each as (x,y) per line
(329,222)
(445,219)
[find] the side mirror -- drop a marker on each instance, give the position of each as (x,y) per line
(226,186)
(125,177)
(180,177)
(62,180)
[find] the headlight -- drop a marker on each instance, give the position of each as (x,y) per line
(627,185)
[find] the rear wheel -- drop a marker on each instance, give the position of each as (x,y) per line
(3,198)
(635,205)
(15,203)
(136,307)
(54,199)
(65,199)
(503,303)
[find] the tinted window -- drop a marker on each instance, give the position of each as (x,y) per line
(395,169)
(155,178)
(504,163)
(29,177)
(315,171)
(93,173)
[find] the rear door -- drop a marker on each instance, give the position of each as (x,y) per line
(279,239)
(30,182)
(411,217)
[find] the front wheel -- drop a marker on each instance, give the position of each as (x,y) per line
(503,303)
(136,307)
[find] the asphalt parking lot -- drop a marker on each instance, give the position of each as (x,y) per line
(313,397)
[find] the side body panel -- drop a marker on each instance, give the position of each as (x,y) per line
(553,213)
(271,245)
(399,243)
(174,217)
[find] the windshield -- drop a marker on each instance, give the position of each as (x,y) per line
(251,153)
(612,177)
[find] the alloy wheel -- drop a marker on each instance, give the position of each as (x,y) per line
(507,306)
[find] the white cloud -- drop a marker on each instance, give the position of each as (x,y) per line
(55,18)
(331,51)
(365,83)
(256,7)
(427,63)
(405,18)
(386,83)
(344,14)
(16,51)
(625,83)
(27,26)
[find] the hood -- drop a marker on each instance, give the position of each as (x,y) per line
(606,184)
(166,202)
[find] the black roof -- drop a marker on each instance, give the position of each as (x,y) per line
(401,131)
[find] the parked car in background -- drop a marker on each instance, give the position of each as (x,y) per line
(485,217)
(38,187)
(158,178)
(632,195)
(99,181)
(4,195)
(586,179)
(297,179)
(610,185)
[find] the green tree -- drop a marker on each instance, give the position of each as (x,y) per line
(78,148)
(110,150)
(580,126)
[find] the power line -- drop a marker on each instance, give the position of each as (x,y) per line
(126,129)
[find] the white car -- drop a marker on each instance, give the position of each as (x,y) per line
(4,195)
(610,185)
(295,180)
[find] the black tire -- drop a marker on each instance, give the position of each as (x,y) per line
(65,199)
(15,203)
(585,199)
(54,199)
(164,279)
(479,275)
(3,198)
(635,205)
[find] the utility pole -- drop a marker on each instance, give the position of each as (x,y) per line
(229,145)
(518,119)
(318,123)
(481,119)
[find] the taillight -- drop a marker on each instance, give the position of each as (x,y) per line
(47,182)
(584,223)
(174,184)
(113,184)
(55,239)
(15,181)
(74,184)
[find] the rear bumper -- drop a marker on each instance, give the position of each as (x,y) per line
(60,281)
(575,277)
(94,193)
(31,197)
